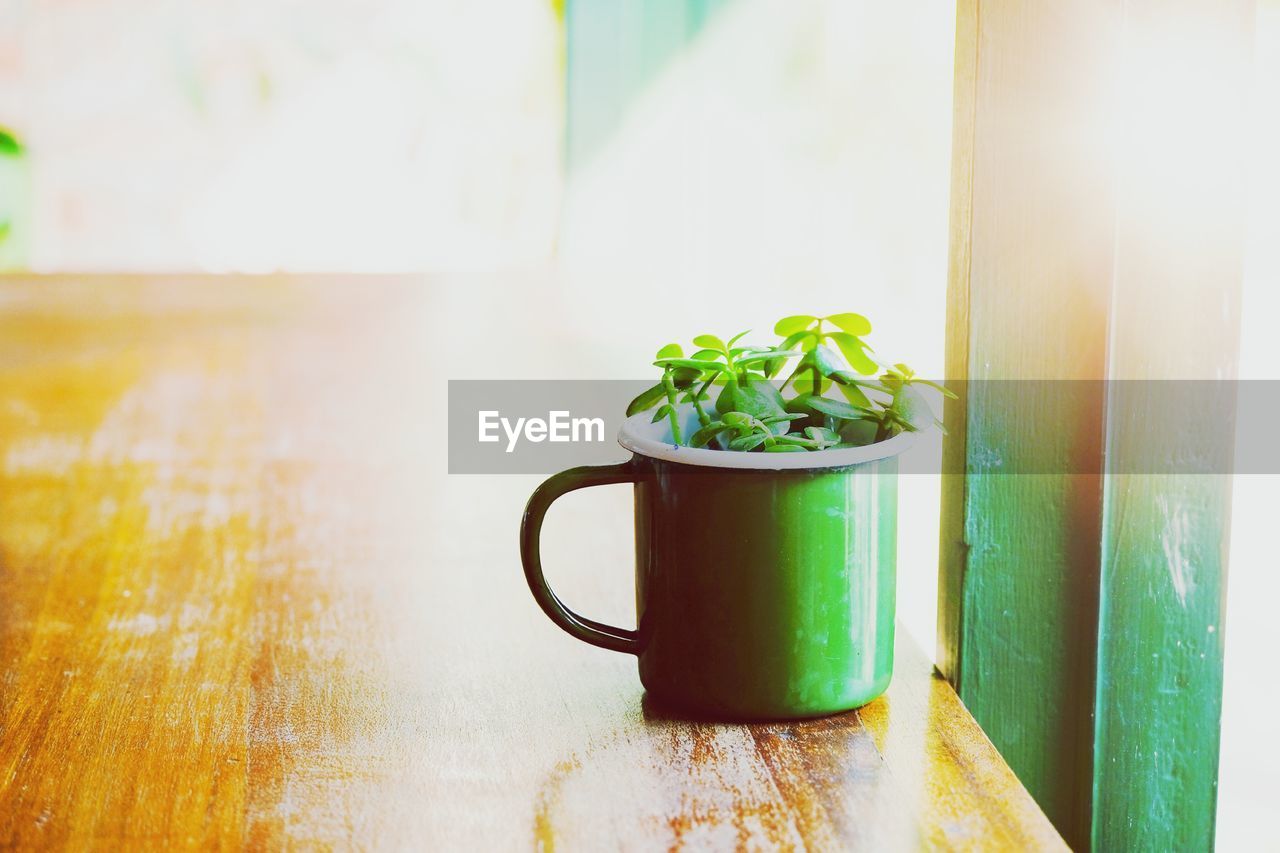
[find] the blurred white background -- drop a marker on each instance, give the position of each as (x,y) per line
(255,135)
(1250,775)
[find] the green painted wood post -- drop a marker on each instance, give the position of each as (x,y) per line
(1175,317)
(1080,613)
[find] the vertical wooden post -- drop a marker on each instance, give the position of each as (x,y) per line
(1030,266)
(1095,233)
(1182,129)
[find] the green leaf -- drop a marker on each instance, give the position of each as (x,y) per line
(822,435)
(799,404)
(804,383)
(824,359)
(819,358)
(798,441)
(708,432)
(757,398)
(710,341)
(775,364)
(767,356)
(748,442)
(858,433)
(854,324)
(847,377)
(708,355)
(911,407)
(804,339)
(646,400)
(781,424)
(736,419)
(785,448)
(683,377)
(773,419)
(9,144)
(854,351)
(694,393)
(835,408)
(853,394)
(661,413)
(738,337)
(694,363)
(670,351)
(790,325)
(942,389)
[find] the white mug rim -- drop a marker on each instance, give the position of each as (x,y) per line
(653,440)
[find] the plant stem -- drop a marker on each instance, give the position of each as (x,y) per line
(817,374)
(703,417)
(669,385)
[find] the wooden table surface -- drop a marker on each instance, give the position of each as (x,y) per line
(243,604)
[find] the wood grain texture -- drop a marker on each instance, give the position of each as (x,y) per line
(243,605)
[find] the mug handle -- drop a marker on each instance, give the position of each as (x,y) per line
(587,630)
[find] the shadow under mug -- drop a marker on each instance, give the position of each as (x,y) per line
(764,581)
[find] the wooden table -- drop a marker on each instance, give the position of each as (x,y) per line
(242,603)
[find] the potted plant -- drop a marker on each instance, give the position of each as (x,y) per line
(766,521)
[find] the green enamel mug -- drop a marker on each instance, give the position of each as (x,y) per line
(764,581)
